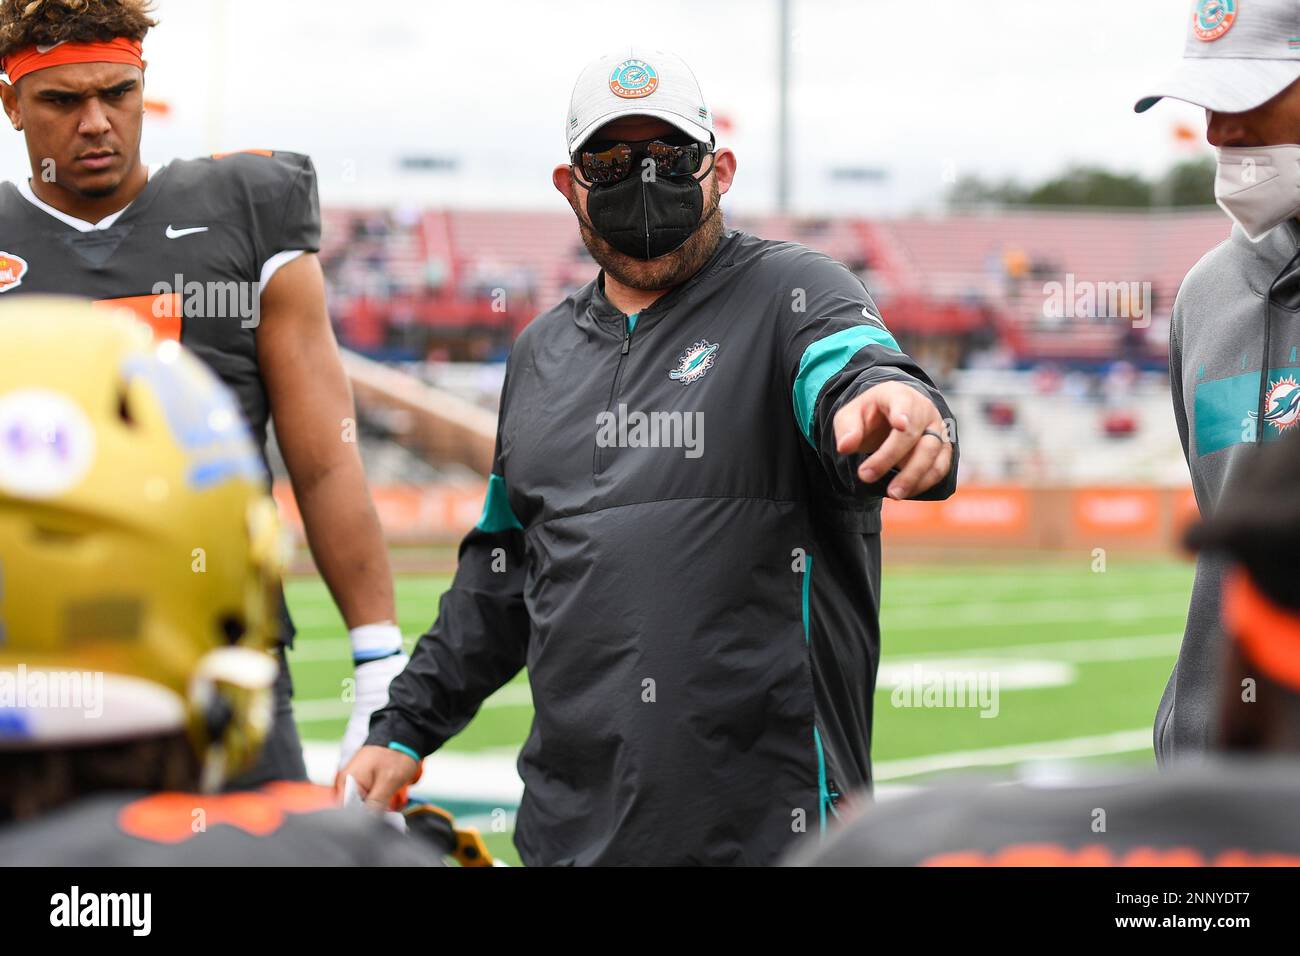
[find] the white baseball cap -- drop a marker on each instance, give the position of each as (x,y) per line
(637,82)
(1239,54)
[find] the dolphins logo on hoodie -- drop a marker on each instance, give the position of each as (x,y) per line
(1283,404)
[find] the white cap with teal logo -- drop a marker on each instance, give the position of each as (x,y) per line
(637,82)
(1239,54)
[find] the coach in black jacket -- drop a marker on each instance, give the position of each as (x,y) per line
(681,538)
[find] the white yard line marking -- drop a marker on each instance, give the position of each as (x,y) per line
(1103,649)
(487,776)
(985,614)
(491,777)
(1019,592)
(1097,650)
(976,680)
(1124,741)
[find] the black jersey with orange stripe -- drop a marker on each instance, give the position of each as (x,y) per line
(283,824)
(1238,812)
(188,255)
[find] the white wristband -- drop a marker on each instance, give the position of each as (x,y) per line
(371,642)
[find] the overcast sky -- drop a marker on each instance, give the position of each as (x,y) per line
(923,89)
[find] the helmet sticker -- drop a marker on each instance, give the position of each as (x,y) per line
(47,443)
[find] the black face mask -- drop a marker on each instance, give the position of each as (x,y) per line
(646,220)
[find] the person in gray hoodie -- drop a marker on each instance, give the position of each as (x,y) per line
(1235,330)
(1236,808)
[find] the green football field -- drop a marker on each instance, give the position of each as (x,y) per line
(986,666)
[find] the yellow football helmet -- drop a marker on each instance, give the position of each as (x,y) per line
(139,548)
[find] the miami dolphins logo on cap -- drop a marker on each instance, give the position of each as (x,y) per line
(694,362)
(1213,18)
(633,79)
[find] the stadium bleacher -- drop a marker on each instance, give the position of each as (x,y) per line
(443,293)
(396,278)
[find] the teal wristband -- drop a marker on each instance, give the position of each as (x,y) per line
(402,748)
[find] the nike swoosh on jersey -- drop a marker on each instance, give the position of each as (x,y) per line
(177,233)
(874,320)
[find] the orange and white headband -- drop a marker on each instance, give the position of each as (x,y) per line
(30,59)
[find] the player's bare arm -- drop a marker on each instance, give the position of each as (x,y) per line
(311,404)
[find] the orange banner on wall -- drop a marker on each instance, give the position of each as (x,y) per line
(1186,510)
(988,516)
(1102,511)
(979,511)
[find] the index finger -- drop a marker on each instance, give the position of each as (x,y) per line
(892,450)
(854,424)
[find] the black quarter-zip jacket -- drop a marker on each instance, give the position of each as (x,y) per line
(688,570)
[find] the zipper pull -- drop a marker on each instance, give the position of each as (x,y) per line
(627,339)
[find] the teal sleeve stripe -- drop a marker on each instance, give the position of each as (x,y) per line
(403,749)
(497,514)
(823,797)
(826,358)
(823,793)
(807,586)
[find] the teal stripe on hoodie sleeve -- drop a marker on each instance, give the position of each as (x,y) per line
(497,514)
(826,358)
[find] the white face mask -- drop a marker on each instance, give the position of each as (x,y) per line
(1258,186)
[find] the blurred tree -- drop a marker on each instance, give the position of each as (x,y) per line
(1090,186)
(1188,183)
(971,190)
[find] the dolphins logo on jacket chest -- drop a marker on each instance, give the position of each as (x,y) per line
(694,363)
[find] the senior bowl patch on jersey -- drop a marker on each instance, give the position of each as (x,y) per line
(12,270)
(633,79)
(1213,18)
(694,362)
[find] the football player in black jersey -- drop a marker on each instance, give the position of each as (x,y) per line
(218,253)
